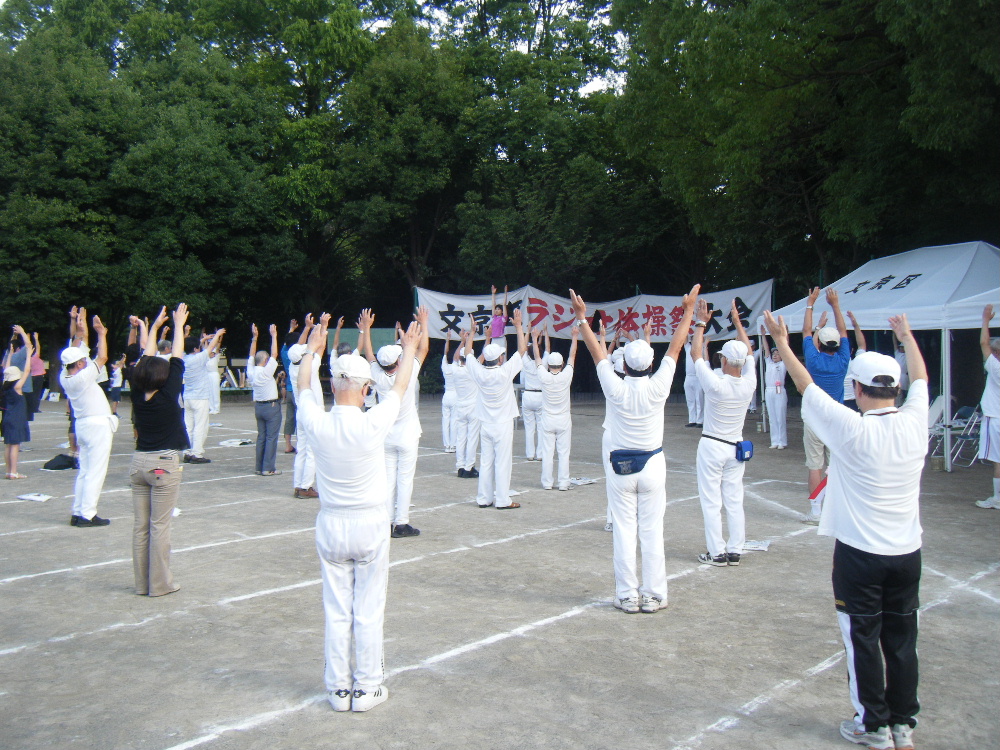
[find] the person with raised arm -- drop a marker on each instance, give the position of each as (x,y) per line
(304,465)
(556,376)
(403,441)
(161,438)
(872,509)
(498,323)
(197,392)
(267,407)
(633,447)
(531,401)
(694,395)
(720,470)
(16,406)
(95,426)
(496,408)
(775,394)
(466,421)
(449,401)
(989,430)
(860,346)
(352,528)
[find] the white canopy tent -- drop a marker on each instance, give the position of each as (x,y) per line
(942,287)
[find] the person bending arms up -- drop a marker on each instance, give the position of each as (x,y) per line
(989,432)
(352,528)
(555,378)
(872,508)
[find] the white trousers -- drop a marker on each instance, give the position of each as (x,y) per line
(353,549)
(695,396)
(531,414)
(777,411)
(304,468)
(466,439)
(637,503)
(557,434)
(449,415)
(720,483)
(495,463)
(400,466)
(196,422)
(93,436)
(606,462)
(215,396)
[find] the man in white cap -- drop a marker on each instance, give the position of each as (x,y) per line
(466,419)
(634,448)
(352,536)
(304,465)
(556,377)
(827,356)
(872,508)
(531,404)
(197,391)
(989,430)
(720,473)
(496,408)
(267,408)
(403,440)
(95,425)
(693,392)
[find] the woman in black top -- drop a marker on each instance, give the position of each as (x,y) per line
(156,468)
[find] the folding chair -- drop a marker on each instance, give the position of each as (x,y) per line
(965,446)
(935,428)
(958,421)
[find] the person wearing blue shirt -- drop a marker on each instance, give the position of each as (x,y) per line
(827,355)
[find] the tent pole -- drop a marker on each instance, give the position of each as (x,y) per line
(760,382)
(946,392)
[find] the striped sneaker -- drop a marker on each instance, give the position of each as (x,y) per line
(880,739)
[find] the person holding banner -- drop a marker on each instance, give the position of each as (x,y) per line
(556,378)
(466,421)
(634,451)
(531,403)
(719,463)
(497,409)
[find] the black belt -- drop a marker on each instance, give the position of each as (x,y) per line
(272,401)
(713,437)
(532,390)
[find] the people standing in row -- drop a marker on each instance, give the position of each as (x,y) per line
(531,404)
(556,378)
(989,430)
(720,470)
(496,408)
(15,404)
(827,356)
(466,417)
(352,527)
(267,410)
(92,420)
(638,469)
(872,509)
(197,391)
(156,470)
(403,441)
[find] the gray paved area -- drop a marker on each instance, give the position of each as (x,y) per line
(499,629)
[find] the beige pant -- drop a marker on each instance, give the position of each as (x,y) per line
(817,454)
(156,482)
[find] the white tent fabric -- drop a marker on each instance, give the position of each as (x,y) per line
(940,287)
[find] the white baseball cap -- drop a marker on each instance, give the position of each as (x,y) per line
(618,361)
(352,366)
(867,366)
(736,352)
(554,359)
(296,352)
(12,374)
(638,355)
(72,354)
(389,355)
(492,352)
(828,335)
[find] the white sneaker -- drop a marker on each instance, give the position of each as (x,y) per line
(902,735)
(609,526)
(878,740)
(563,487)
(990,502)
(340,700)
(629,605)
(367,700)
(651,604)
(811,520)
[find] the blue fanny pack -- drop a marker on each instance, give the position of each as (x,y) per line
(744,448)
(628,461)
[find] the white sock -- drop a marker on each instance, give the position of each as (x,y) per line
(817,506)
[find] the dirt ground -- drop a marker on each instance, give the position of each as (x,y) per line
(499,628)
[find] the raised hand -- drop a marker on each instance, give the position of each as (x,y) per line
(823,319)
(901,327)
(340,323)
(180,316)
(293,325)
(253,331)
(833,298)
(273,330)
(411,335)
(422,316)
(161,318)
(776,327)
(701,311)
(987,313)
(813,295)
(366,319)
(579,306)
(99,326)
(517,318)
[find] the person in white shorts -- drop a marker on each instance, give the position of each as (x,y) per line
(449,401)
(466,421)
(352,528)
(634,443)
(531,404)
(872,509)
(720,473)
(989,430)
(496,408)
(556,377)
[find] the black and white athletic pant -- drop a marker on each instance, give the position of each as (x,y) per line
(877,598)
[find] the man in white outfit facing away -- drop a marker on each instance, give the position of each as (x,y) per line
(531,404)
(304,465)
(496,409)
(352,529)
(197,392)
(466,421)
(720,473)
(403,440)
(637,482)
(449,402)
(556,377)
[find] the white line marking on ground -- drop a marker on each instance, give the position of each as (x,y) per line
(768,501)
(965,585)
